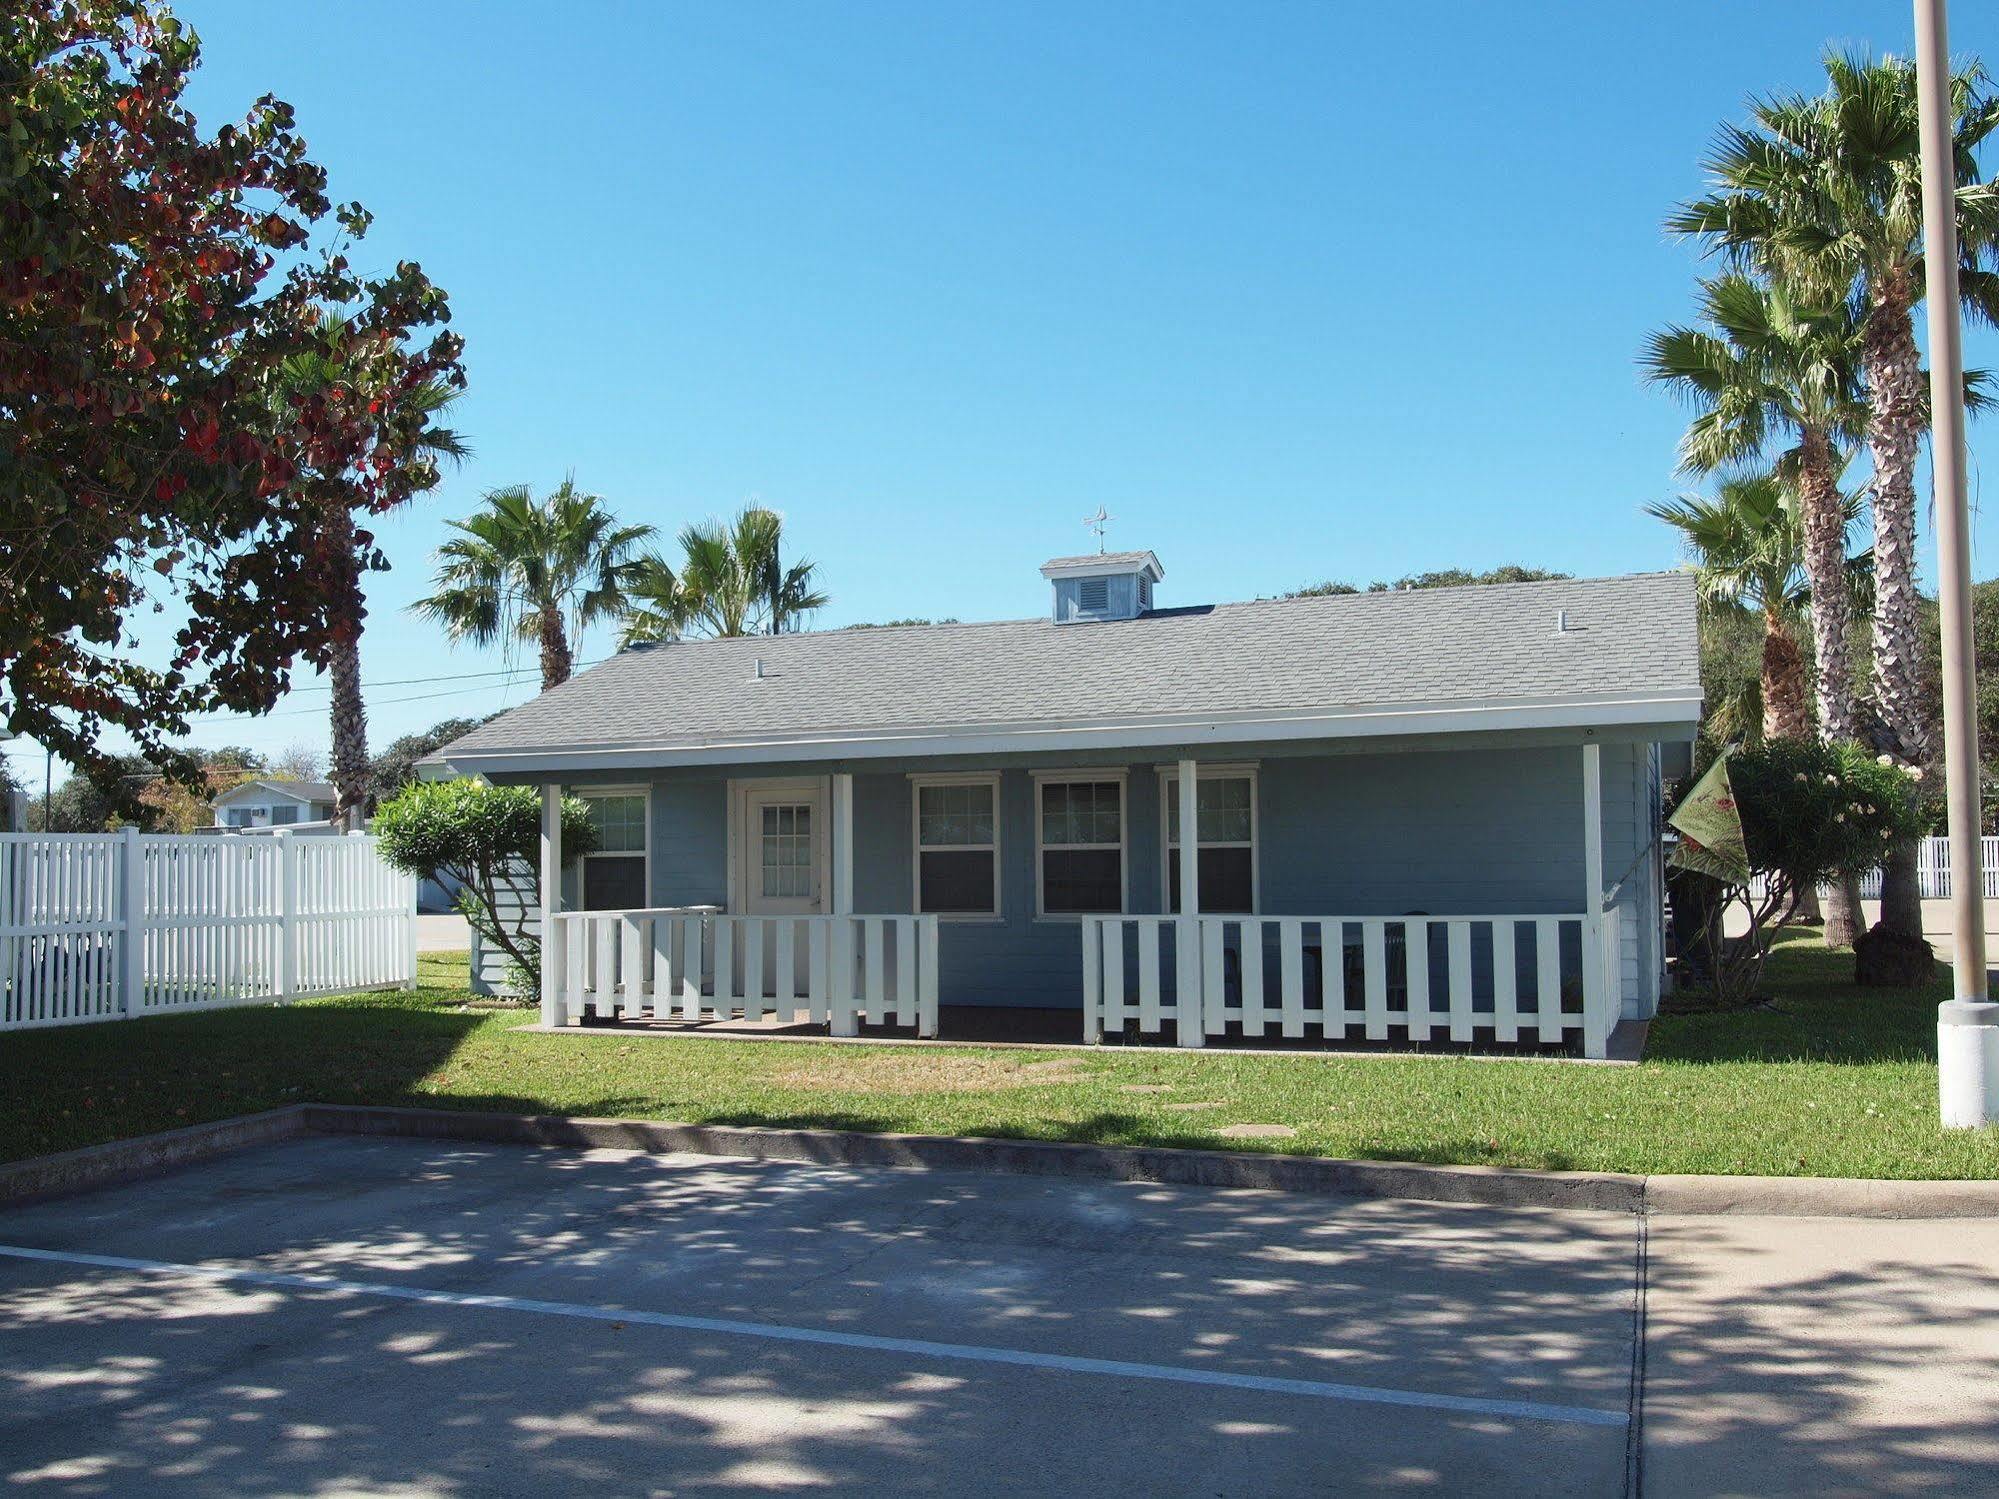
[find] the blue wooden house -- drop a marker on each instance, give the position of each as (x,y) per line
(1425,816)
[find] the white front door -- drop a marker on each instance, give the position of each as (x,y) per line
(781,867)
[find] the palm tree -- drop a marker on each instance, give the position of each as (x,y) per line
(1827,191)
(1764,371)
(541,570)
(1746,546)
(336,352)
(732,580)
(1772,367)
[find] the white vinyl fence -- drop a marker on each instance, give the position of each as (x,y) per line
(112,926)
(1933,870)
(692,963)
(1516,980)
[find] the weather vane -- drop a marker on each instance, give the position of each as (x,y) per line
(1097,523)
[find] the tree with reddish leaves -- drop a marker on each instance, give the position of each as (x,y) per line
(162,448)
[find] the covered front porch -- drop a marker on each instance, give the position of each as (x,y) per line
(1490,957)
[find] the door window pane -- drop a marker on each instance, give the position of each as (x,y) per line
(784,844)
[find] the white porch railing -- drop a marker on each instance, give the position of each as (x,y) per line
(695,963)
(1517,978)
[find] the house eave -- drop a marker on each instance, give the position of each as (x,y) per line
(1674,716)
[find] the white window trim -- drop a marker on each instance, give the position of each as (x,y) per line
(1085,775)
(967,778)
(589,793)
(1169,787)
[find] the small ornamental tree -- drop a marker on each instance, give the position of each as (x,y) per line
(1810,811)
(488,839)
(157,282)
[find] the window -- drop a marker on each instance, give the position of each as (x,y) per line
(614,877)
(784,851)
(1225,814)
(242,817)
(1081,827)
(282,816)
(957,845)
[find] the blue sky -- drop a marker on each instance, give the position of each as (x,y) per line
(1296,291)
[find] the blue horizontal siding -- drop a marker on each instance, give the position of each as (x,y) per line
(1493,829)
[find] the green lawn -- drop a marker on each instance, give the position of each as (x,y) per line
(1829,1080)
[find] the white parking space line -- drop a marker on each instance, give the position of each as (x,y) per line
(1524,1410)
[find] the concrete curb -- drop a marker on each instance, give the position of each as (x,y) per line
(1318,1175)
(1492,1186)
(146,1155)
(1820,1197)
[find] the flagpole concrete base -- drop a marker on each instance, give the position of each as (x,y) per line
(1968,1062)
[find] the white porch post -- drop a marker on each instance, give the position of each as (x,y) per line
(1187,931)
(845,1017)
(554,965)
(1599,1006)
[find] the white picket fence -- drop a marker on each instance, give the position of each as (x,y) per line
(1933,870)
(696,963)
(111,926)
(1511,979)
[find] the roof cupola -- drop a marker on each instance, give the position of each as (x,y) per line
(1103,585)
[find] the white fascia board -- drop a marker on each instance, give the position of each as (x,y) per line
(1673,716)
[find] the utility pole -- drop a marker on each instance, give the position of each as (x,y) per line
(1967,1023)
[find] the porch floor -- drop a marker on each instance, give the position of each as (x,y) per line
(1051,1029)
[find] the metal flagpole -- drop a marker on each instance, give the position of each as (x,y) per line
(1968,1023)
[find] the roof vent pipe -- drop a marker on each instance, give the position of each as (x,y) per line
(1561,622)
(757,670)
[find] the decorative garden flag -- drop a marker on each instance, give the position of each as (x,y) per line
(1710,828)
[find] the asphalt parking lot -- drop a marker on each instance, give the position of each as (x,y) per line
(391,1317)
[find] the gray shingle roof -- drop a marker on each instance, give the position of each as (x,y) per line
(1627,636)
(305,791)
(1102,559)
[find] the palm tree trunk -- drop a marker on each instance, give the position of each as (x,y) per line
(1787,714)
(556,663)
(1842,911)
(343,668)
(1825,567)
(1895,421)
(1787,711)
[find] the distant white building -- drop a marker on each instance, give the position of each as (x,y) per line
(275,804)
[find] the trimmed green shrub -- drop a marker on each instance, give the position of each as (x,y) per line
(488,839)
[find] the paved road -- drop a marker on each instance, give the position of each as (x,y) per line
(394,1317)
(444,931)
